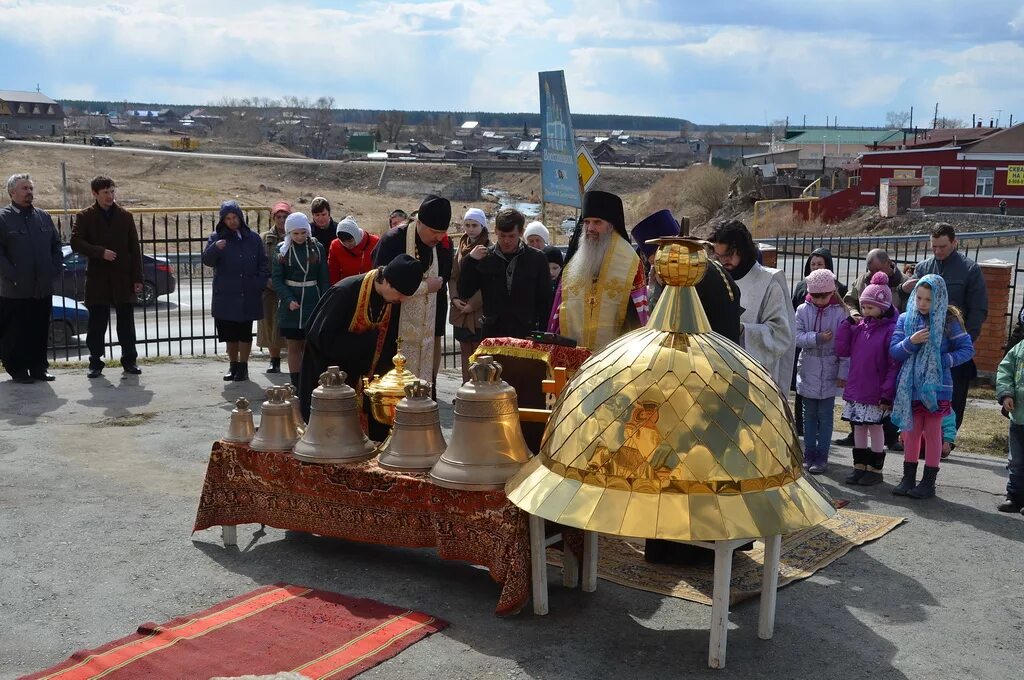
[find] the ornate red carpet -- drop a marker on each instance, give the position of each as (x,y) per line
(272,629)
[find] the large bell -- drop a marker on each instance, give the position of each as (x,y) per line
(487,445)
(277,424)
(334,434)
(241,429)
(672,432)
(416,442)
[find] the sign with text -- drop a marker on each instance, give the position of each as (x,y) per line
(587,167)
(559,174)
(1015,175)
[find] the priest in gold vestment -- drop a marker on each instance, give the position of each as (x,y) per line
(603,292)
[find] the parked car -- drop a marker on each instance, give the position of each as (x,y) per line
(68,319)
(568,225)
(157,277)
(101,140)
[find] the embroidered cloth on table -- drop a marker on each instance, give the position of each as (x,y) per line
(365,503)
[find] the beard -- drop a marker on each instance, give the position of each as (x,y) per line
(589,256)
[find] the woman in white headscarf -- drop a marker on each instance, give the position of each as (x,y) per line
(464,315)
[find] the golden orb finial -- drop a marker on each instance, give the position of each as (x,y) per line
(680,261)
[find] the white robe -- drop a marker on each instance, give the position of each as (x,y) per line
(769,333)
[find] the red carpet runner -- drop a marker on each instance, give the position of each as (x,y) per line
(270,630)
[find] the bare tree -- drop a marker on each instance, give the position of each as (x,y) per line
(944,122)
(897,119)
(391,124)
(321,122)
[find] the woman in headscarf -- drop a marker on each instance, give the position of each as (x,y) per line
(464,315)
(240,272)
(352,252)
(300,278)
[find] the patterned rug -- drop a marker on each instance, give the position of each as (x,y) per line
(803,553)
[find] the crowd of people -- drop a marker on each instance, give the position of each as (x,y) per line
(896,346)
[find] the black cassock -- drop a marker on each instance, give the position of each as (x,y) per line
(329,342)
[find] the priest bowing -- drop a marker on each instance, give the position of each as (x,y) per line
(352,326)
(603,292)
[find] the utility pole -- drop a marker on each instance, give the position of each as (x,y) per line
(912,120)
(999,115)
(935,120)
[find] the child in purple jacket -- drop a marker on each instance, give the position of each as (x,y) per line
(871,384)
(819,371)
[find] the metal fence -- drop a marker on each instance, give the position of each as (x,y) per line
(175,323)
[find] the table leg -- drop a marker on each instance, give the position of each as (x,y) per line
(720,603)
(538,566)
(769,587)
(229,534)
(570,566)
(589,561)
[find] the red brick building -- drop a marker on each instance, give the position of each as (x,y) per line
(973,174)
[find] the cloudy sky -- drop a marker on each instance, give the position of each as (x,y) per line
(730,61)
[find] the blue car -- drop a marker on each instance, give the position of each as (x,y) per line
(68,319)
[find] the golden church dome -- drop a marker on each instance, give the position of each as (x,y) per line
(672,432)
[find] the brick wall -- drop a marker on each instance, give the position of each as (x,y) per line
(769,255)
(991,344)
(980,220)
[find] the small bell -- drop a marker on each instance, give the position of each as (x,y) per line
(241,429)
(416,441)
(334,434)
(277,424)
(487,446)
(293,400)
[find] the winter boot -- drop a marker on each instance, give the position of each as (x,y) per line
(1011,504)
(295,379)
(876,463)
(860,462)
(926,487)
(820,463)
(906,484)
(275,365)
(242,372)
(230,375)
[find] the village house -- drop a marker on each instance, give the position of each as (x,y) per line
(30,114)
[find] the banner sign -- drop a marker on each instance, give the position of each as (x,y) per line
(1015,175)
(559,174)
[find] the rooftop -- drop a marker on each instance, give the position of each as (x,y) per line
(843,136)
(27,97)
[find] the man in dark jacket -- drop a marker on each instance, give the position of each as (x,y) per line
(422,238)
(514,279)
(105,233)
(30,258)
(966,289)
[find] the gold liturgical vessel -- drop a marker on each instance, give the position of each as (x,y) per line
(277,425)
(384,392)
(334,434)
(416,441)
(241,429)
(487,445)
(672,432)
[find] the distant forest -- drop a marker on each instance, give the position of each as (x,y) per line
(371,117)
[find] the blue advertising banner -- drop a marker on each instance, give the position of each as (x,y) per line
(559,175)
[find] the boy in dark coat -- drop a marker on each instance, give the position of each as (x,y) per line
(106,234)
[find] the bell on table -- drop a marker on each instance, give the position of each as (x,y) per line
(487,446)
(293,400)
(416,442)
(334,434)
(241,429)
(277,424)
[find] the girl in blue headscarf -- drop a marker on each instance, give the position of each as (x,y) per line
(928,341)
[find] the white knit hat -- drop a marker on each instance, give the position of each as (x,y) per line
(296,221)
(537,229)
(349,226)
(477,215)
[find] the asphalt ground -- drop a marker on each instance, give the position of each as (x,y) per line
(99,484)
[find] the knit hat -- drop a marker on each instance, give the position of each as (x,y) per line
(476,215)
(349,226)
(536,228)
(877,292)
(404,273)
(821,281)
(294,222)
(554,255)
(281,206)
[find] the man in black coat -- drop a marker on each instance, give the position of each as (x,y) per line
(514,279)
(30,258)
(431,229)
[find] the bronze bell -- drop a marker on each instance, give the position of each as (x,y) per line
(416,441)
(487,446)
(293,400)
(334,434)
(241,429)
(277,425)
